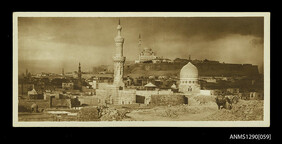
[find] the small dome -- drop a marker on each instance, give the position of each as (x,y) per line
(189,71)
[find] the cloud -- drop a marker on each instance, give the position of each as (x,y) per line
(66,41)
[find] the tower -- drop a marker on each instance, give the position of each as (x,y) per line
(119,59)
(63,72)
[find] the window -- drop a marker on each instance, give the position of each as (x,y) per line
(189,81)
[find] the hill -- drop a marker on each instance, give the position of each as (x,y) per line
(205,69)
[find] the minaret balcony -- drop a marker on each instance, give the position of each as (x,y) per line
(119,39)
(119,58)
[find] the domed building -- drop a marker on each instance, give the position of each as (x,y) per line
(189,79)
(146,53)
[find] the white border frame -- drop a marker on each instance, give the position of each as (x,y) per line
(264,123)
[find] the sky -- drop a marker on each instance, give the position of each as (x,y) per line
(48,44)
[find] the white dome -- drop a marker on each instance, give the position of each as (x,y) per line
(189,71)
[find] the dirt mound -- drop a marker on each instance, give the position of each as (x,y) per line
(176,111)
(244,110)
(101,113)
(89,114)
(198,100)
(112,114)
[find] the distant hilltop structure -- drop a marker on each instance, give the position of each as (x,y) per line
(146,54)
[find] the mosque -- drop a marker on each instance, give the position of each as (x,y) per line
(146,54)
(189,79)
(117,93)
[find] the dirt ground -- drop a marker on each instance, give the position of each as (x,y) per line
(251,110)
(197,109)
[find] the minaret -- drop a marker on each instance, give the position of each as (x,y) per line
(139,44)
(63,72)
(79,84)
(119,59)
(79,72)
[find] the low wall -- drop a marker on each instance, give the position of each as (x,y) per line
(205,92)
(88,100)
(148,93)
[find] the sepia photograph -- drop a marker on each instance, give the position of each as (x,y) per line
(112,69)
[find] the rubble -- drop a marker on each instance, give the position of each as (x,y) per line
(244,110)
(101,113)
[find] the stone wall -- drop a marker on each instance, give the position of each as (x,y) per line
(127,97)
(164,100)
(112,95)
(147,94)
(102,95)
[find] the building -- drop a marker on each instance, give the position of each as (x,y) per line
(32,94)
(189,79)
(68,85)
(146,54)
